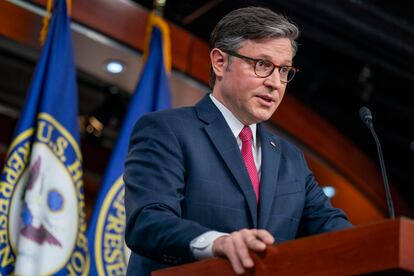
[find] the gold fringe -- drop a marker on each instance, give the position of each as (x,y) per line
(46,19)
(69,7)
(45,26)
(157,21)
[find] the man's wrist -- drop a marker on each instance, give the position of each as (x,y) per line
(202,246)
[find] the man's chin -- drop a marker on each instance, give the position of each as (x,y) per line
(261,118)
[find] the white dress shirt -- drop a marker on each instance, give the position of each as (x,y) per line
(202,246)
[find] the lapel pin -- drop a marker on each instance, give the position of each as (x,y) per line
(273,144)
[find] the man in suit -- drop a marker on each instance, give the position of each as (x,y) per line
(210,180)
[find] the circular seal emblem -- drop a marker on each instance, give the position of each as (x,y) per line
(46,226)
(111,253)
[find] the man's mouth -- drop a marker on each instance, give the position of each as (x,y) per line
(266,98)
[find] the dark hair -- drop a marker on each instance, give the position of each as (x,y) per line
(252,23)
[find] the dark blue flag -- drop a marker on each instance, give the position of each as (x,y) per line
(107,226)
(42,219)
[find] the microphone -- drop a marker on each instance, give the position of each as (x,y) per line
(366,117)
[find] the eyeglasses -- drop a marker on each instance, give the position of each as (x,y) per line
(264,68)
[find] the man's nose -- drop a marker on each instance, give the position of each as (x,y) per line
(274,80)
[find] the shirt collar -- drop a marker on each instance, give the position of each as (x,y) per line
(235,125)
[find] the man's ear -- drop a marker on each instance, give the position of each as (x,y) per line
(218,62)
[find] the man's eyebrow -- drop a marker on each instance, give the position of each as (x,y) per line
(264,56)
(286,62)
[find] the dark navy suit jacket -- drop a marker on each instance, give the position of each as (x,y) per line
(185,176)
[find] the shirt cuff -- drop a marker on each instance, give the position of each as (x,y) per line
(202,246)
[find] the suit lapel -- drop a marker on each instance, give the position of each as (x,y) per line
(226,145)
(269,171)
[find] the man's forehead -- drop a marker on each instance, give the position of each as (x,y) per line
(266,41)
(269,48)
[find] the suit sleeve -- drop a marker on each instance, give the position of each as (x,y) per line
(154,191)
(319,215)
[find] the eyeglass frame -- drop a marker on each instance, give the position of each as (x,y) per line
(256,60)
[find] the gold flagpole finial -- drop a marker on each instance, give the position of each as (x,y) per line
(159,7)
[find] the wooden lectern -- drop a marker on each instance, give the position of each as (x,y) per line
(383,247)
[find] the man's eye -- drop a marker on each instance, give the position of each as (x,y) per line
(284,69)
(264,64)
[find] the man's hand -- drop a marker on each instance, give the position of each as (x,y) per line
(236,247)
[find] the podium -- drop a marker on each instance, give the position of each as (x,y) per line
(385,247)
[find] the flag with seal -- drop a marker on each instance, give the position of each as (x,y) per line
(109,254)
(42,218)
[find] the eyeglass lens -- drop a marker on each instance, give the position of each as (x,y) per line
(264,68)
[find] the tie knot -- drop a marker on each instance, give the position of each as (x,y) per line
(246,134)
